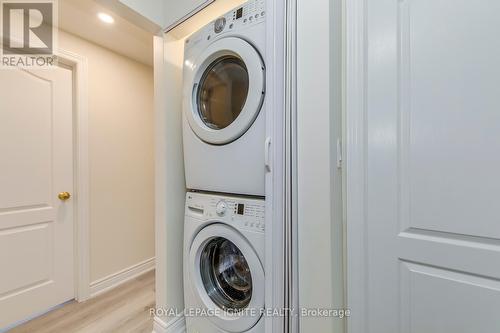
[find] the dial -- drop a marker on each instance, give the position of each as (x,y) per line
(221,208)
(220,23)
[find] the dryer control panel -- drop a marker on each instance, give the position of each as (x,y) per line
(250,13)
(243,213)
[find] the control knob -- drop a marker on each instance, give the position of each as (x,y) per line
(219,25)
(221,208)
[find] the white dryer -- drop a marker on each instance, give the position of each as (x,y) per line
(223,264)
(223,103)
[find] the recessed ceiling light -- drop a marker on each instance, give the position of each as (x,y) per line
(106,18)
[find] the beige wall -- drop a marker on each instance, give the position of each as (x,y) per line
(121,157)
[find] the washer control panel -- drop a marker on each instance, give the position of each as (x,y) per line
(243,213)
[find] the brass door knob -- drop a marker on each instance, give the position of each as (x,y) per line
(64,196)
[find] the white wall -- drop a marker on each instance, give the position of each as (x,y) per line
(170,180)
(121,157)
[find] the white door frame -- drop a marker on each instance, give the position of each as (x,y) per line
(355,148)
(79,66)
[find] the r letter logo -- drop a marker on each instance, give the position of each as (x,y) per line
(28,33)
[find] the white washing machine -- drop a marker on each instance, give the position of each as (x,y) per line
(223,103)
(223,264)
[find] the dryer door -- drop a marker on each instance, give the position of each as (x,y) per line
(225,90)
(228,278)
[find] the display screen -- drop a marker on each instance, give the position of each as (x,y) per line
(239,13)
(241,209)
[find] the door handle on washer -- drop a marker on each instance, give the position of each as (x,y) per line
(267,156)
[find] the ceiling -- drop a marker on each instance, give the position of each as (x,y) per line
(130,34)
(79,17)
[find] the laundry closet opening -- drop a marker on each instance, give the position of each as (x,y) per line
(221,80)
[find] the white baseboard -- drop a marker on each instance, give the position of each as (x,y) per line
(114,280)
(176,325)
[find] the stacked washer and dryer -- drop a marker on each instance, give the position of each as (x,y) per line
(224,148)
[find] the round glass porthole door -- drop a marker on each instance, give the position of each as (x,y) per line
(226,275)
(224,90)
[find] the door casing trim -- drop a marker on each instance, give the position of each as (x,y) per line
(79,66)
(276,180)
(355,167)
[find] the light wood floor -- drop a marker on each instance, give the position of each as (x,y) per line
(123,309)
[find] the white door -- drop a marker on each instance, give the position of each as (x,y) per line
(36,164)
(432,192)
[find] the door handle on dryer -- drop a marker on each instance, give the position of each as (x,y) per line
(267,154)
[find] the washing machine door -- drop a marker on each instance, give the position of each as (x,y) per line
(227,277)
(225,88)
